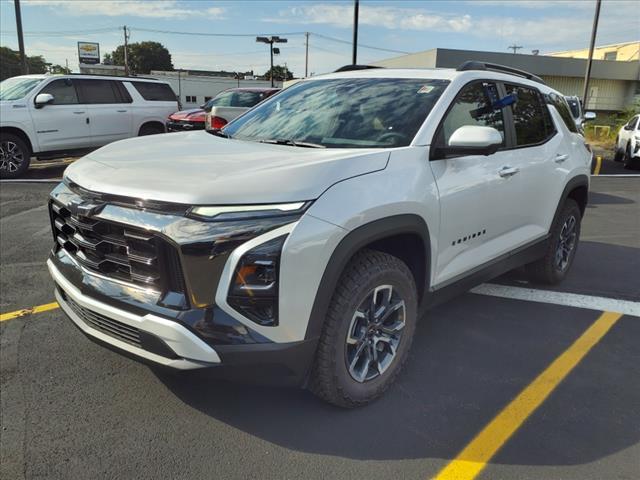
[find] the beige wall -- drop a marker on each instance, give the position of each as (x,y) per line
(624,52)
(603,94)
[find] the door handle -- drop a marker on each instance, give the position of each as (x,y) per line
(121,111)
(508,171)
(561,157)
(78,113)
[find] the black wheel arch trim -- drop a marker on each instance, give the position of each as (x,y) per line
(572,184)
(353,242)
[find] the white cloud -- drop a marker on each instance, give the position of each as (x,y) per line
(378,16)
(133,8)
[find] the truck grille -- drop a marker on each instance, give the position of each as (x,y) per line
(120,252)
(107,325)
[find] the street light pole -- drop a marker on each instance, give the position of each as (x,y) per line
(587,75)
(23,57)
(270,41)
(271,71)
(354,56)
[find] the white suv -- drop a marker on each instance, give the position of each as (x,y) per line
(307,237)
(54,115)
(627,147)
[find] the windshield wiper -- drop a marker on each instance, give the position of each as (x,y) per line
(293,143)
(219,133)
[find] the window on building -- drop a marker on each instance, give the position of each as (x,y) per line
(611,55)
(473,106)
(190,99)
(531,118)
(206,99)
(63,91)
(152,91)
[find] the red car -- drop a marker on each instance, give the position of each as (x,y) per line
(238,98)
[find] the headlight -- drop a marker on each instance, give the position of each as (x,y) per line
(254,289)
(240,212)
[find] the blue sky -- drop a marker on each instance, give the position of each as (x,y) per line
(52,28)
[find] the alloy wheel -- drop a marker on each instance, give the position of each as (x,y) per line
(375,333)
(11,156)
(566,243)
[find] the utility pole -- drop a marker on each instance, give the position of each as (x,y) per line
(66,63)
(306,55)
(587,75)
(354,56)
(23,57)
(271,70)
(126,57)
(515,48)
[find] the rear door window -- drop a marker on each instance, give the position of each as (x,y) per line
(531,118)
(97,91)
(63,91)
(155,92)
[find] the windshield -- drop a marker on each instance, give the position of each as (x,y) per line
(343,113)
(574,106)
(17,87)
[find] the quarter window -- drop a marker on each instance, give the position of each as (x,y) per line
(531,119)
(633,123)
(474,105)
(63,91)
(156,92)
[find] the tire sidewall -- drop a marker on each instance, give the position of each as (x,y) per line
(406,290)
(571,208)
(26,152)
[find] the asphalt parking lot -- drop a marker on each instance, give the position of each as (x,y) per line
(470,402)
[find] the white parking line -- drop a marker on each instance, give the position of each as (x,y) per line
(625,307)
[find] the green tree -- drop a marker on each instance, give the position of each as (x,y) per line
(10,64)
(59,69)
(279,73)
(143,57)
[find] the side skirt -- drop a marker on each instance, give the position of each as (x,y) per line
(509,261)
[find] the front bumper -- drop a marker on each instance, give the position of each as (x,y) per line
(184,126)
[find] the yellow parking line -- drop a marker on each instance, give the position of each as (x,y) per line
(475,456)
(596,171)
(28,311)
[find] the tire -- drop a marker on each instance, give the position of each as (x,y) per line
(344,341)
(561,247)
(629,162)
(618,154)
(15,156)
(150,129)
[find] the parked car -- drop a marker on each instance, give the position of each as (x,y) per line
(627,147)
(234,102)
(575,105)
(55,115)
(192,119)
(308,236)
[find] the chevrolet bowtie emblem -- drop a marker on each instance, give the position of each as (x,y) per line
(84,208)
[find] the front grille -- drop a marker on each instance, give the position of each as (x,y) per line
(120,252)
(109,326)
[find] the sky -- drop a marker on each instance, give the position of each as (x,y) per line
(53,28)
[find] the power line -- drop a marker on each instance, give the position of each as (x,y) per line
(362,45)
(206,34)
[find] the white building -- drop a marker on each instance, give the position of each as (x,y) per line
(194,90)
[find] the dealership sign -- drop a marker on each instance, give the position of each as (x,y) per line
(89,52)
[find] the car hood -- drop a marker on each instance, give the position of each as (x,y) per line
(198,168)
(185,114)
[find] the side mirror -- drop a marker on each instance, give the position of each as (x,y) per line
(43,99)
(474,140)
(202,106)
(589,116)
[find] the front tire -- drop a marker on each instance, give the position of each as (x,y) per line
(150,129)
(561,247)
(618,154)
(629,162)
(368,331)
(15,156)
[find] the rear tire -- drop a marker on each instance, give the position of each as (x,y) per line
(15,156)
(618,154)
(561,247)
(150,129)
(629,162)
(368,331)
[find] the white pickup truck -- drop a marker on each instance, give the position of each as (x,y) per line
(56,115)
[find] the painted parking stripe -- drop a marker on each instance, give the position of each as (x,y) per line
(28,311)
(598,165)
(625,307)
(475,456)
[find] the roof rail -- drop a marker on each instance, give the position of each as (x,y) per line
(474,65)
(349,68)
(107,75)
